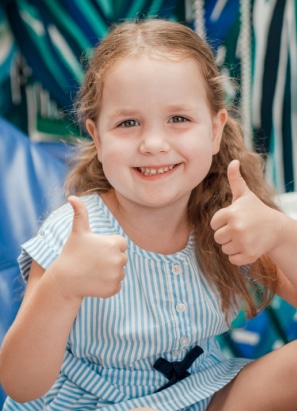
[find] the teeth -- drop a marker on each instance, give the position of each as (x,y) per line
(153,171)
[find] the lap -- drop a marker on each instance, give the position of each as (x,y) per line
(266,384)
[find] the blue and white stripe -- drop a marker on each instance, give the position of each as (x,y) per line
(165,308)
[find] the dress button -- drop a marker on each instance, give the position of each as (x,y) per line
(181,307)
(176,268)
(184,342)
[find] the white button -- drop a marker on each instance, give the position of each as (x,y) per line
(181,307)
(175,353)
(176,269)
(184,341)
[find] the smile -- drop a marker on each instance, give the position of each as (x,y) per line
(148,171)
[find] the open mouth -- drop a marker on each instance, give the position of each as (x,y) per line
(150,171)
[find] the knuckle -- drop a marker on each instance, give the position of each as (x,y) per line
(237,225)
(217,238)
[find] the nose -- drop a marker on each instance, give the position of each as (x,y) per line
(154,141)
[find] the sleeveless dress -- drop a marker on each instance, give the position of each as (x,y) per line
(166,308)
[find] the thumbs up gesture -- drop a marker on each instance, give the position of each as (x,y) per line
(244,229)
(90,264)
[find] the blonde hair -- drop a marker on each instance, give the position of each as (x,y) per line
(213,193)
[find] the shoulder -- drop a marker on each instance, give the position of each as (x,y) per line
(63,216)
(57,226)
(47,245)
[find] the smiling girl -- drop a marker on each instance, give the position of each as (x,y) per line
(169,227)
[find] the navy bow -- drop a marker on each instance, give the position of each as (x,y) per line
(177,370)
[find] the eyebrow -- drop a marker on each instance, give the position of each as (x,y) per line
(171,108)
(123,113)
(183,107)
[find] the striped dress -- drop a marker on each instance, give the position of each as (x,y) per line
(165,308)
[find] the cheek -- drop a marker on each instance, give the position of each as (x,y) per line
(201,155)
(113,158)
(110,172)
(201,148)
(113,153)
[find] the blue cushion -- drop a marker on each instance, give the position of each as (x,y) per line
(31,179)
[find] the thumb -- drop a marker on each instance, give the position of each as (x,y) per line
(81,217)
(237,183)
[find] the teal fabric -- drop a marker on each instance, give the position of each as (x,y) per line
(52,36)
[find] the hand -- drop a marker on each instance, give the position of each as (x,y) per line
(245,229)
(90,264)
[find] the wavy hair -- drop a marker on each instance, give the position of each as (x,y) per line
(129,40)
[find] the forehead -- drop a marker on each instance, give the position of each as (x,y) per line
(153,84)
(165,69)
(149,57)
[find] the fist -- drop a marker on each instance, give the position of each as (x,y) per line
(90,264)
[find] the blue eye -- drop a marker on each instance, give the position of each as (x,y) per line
(178,119)
(129,123)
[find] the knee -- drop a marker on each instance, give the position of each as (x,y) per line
(291,350)
(289,357)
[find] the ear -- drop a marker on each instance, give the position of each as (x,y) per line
(218,124)
(94,133)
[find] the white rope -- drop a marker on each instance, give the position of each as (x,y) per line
(198,8)
(245,57)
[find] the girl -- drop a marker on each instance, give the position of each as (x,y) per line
(170,228)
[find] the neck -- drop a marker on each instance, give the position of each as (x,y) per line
(163,230)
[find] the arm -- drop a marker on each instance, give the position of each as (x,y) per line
(284,255)
(248,229)
(34,347)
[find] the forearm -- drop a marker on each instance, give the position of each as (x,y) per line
(284,254)
(34,347)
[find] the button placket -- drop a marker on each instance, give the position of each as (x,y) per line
(177,269)
(184,341)
(180,307)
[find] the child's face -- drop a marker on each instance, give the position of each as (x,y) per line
(155,134)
